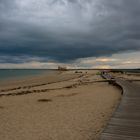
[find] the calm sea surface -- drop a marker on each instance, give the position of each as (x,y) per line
(9,74)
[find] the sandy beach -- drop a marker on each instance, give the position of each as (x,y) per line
(59,106)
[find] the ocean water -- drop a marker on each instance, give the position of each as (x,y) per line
(14,73)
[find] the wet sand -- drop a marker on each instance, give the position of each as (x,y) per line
(58,106)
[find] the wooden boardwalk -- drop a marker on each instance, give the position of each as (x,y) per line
(125,123)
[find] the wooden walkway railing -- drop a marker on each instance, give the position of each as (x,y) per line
(125,123)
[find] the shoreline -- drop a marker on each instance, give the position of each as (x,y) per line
(26,76)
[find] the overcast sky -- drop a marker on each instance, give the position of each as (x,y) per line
(76,33)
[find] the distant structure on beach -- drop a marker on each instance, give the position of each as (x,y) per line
(62,68)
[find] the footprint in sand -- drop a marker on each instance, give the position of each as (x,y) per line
(1,107)
(44,100)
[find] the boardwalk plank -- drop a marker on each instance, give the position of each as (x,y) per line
(107,136)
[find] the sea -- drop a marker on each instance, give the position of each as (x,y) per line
(19,73)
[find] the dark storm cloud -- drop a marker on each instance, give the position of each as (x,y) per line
(65,30)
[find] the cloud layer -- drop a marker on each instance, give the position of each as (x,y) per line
(67,30)
(122,60)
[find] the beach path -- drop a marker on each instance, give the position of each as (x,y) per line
(125,123)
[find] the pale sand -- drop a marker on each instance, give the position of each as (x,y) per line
(76,107)
(127,76)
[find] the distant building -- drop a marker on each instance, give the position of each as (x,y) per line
(62,68)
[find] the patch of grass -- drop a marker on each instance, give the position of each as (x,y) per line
(98,73)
